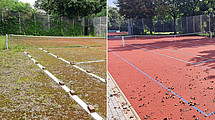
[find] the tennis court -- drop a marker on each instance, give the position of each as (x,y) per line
(165,77)
(78,65)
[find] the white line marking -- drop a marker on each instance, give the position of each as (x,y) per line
(101,79)
(90,61)
(203,61)
(74,97)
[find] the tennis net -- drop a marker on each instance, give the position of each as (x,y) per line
(26,41)
(153,39)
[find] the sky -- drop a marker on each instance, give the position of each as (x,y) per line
(28,1)
(110,3)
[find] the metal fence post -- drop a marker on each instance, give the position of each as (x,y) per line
(132,31)
(193,24)
(2,19)
(181,25)
(48,22)
(73,21)
(143,25)
(83,25)
(187,24)
(61,20)
(35,20)
(201,22)
(100,27)
(209,22)
(19,23)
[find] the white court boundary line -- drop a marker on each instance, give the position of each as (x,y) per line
(74,97)
(90,62)
(85,71)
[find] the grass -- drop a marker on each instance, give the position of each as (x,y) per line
(12,46)
(95,46)
(31,93)
(2,43)
(74,46)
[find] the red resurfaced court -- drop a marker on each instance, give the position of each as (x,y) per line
(166,79)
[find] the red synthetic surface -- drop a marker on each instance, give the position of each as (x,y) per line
(186,80)
(118,33)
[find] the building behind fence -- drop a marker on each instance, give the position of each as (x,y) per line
(192,24)
(38,23)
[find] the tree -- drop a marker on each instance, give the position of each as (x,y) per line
(207,6)
(173,8)
(71,8)
(140,9)
(190,7)
(115,20)
(14,6)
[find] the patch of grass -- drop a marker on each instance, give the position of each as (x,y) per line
(4,62)
(74,46)
(125,35)
(2,43)
(12,46)
(95,46)
(19,48)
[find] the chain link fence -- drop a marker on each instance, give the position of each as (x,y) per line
(192,24)
(37,23)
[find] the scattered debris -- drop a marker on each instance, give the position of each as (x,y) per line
(61,83)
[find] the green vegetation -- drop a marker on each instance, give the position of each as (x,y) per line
(74,46)
(168,10)
(2,42)
(73,8)
(15,47)
(114,18)
(66,17)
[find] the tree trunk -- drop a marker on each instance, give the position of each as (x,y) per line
(78,16)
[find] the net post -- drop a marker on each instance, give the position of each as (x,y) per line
(7,41)
(211,36)
(123,41)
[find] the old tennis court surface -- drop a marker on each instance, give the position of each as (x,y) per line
(58,77)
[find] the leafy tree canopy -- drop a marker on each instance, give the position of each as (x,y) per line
(115,19)
(72,8)
(14,6)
